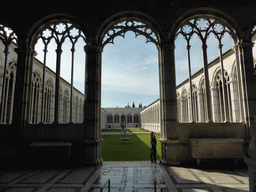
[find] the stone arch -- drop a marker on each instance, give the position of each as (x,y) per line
(129,16)
(233,71)
(7,92)
(38,72)
(40,24)
(184,93)
(51,81)
(7,64)
(35,95)
(58,29)
(200,83)
(203,24)
(206,12)
(213,78)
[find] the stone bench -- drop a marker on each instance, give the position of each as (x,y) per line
(216,148)
(53,145)
(125,140)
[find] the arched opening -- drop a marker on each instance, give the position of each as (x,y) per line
(133,76)
(8,65)
(60,56)
(208,43)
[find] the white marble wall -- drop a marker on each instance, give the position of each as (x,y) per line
(150,117)
(49,76)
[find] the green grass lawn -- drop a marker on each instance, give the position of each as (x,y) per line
(112,148)
(120,130)
(136,130)
(111,130)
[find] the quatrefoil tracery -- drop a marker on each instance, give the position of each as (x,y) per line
(202,27)
(122,27)
(7,35)
(59,32)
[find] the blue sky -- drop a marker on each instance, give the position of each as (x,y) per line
(129,72)
(130,66)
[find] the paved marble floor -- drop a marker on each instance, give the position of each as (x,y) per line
(126,176)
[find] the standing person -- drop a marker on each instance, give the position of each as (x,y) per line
(153,143)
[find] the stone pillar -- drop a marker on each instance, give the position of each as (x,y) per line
(207,86)
(173,150)
(22,89)
(57,85)
(200,106)
(92,106)
(240,91)
(215,105)
(190,109)
(234,100)
(249,85)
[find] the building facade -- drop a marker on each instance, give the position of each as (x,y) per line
(150,117)
(118,117)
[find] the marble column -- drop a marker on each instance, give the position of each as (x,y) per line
(249,85)
(200,101)
(215,105)
(57,85)
(174,150)
(92,104)
(22,89)
(234,100)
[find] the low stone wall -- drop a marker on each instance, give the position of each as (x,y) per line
(216,148)
(178,147)
(51,132)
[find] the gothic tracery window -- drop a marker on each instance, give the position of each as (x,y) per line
(8,88)
(35,97)
(65,106)
(202,103)
(178,107)
(184,107)
(121,27)
(60,47)
(48,102)
(223,98)
(206,30)
(7,73)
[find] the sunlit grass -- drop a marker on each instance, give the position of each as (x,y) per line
(134,130)
(112,148)
(111,130)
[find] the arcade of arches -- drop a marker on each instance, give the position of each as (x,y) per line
(216,105)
